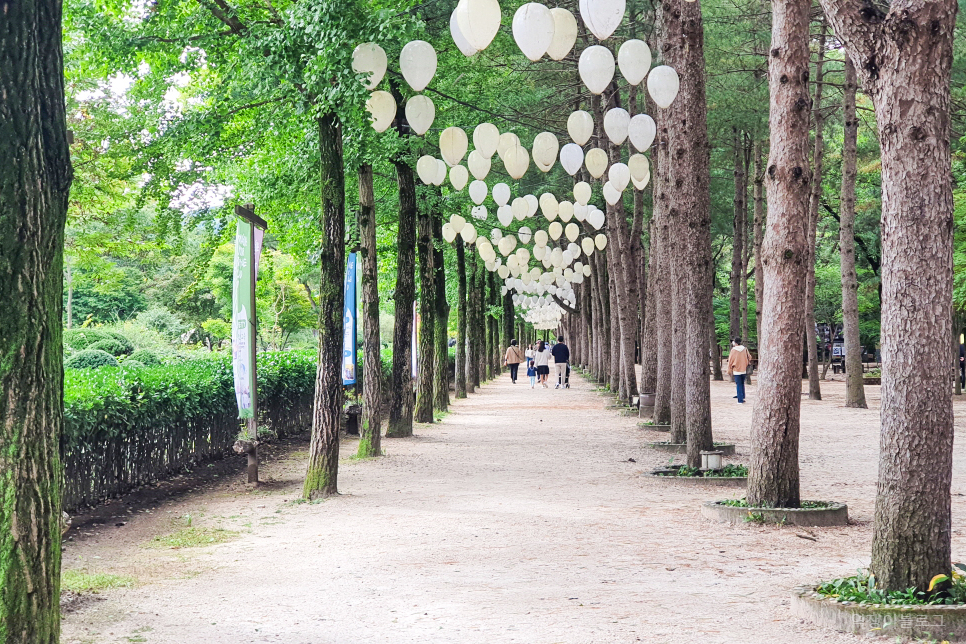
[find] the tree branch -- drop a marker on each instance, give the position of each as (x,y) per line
(564,305)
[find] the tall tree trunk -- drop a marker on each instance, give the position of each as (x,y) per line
(371,438)
(462,350)
(472,325)
(426,360)
(682,47)
(35,179)
(401,388)
(441,328)
(649,332)
(715,350)
(69,274)
(321,476)
(662,272)
(773,477)
(854,389)
(905,58)
(745,241)
(818,154)
(758,228)
(737,238)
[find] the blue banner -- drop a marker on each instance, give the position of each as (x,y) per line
(349,324)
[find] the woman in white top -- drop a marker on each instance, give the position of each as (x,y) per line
(529,355)
(541,360)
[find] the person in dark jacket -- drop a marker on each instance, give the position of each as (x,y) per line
(561,357)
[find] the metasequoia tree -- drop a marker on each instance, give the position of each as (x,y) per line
(35,180)
(904,58)
(773,476)
(371,435)
(440,329)
(426,358)
(854,387)
(461,345)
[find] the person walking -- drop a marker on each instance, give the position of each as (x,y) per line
(532,374)
(561,359)
(541,360)
(529,355)
(738,361)
(514,356)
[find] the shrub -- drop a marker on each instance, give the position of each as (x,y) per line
(121,339)
(91,359)
(145,357)
(163,321)
(112,346)
(79,339)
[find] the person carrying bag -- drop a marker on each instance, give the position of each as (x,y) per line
(514,356)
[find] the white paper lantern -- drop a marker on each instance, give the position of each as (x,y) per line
(479,165)
(540,238)
(448,233)
(539,252)
(572,231)
(600,241)
(507,244)
(370,58)
(468,233)
(501,194)
(417,62)
(457,222)
(580,126)
(568,258)
(586,271)
(571,158)
(516,160)
(555,230)
(503,272)
(602,17)
(640,185)
(479,21)
(512,262)
(479,212)
(634,60)
(549,206)
(523,257)
(441,172)
(596,218)
(565,211)
(564,33)
(619,175)
(642,131)
(458,38)
(580,211)
(639,167)
(519,208)
(611,194)
(587,245)
(524,234)
(420,113)
(505,215)
(453,144)
(458,176)
(596,162)
(506,141)
(582,194)
(382,109)
(532,205)
(596,68)
(545,148)
(478,191)
(533,28)
(486,136)
(496,235)
(556,258)
(426,169)
(616,121)
(663,85)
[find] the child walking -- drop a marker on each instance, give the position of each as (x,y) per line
(532,373)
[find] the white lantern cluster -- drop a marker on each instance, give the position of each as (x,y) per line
(538,30)
(417,62)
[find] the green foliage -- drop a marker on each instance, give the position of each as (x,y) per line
(163,321)
(82,581)
(861,589)
(192,537)
(79,339)
(91,359)
(145,357)
(112,346)
(805,505)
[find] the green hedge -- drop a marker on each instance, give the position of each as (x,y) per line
(127,426)
(91,359)
(80,339)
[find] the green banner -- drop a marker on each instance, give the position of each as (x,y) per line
(243,319)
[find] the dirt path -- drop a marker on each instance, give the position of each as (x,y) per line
(519,518)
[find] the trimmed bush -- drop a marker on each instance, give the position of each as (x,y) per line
(112,346)
(79,339)
(144,357)
(91,359)
(123,340)
(163,321)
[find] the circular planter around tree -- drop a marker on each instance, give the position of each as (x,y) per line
(829,515)
(671,474)
(872,381)
(726,449)
(654,428)
(932,623)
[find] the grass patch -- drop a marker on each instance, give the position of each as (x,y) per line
(806,505)
(192,537)
(861,589)
(81,581)
(728,471)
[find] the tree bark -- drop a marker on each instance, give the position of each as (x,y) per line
(35,180)
(649,348)
(818,154)
(758,229)
(371,438)
(662,272)
(441,328)
(854,388)
(773,479)
(905,58)
(462,349)
(737,243)
(321,476)
(745,242)
(426,359)
(472,325)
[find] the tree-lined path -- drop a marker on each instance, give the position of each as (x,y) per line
(519,518)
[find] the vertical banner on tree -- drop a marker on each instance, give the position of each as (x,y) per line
(248,242)
(349,323)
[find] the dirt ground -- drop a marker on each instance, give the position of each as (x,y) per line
(518,518)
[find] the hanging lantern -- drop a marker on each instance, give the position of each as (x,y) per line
(663,85)
(587,245)
(478,191)
(580,212)
(448,233)
(586,271)
(503,272)
(516,160)
(639,167)
(549,206)
(524,235)
(501,194)
(540,238)
(519,208)
(506,141)
(468,233)
(452,145)
(479,212)
(545,148)
(458,38)
(596,68)
(533,28)
(634,60)
(640,185)
(505,215)
(523,256)
(582,193)
(382,109)
(539,252)
(596,162)
(420,113)
(479,165)
(556,258)
(417,62)
(572,231)
(616,121)
(596,218)
(441,172)
(458,176)
(426,169)
(565,211)
(619,175)
(532,205)
(580,126)
(479,21)
(642,131)
(555,230)
(564,33)
(611,194)
(600,241)
(370,58)
(486,136)
(457,223)
(602,17)
(571,158)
